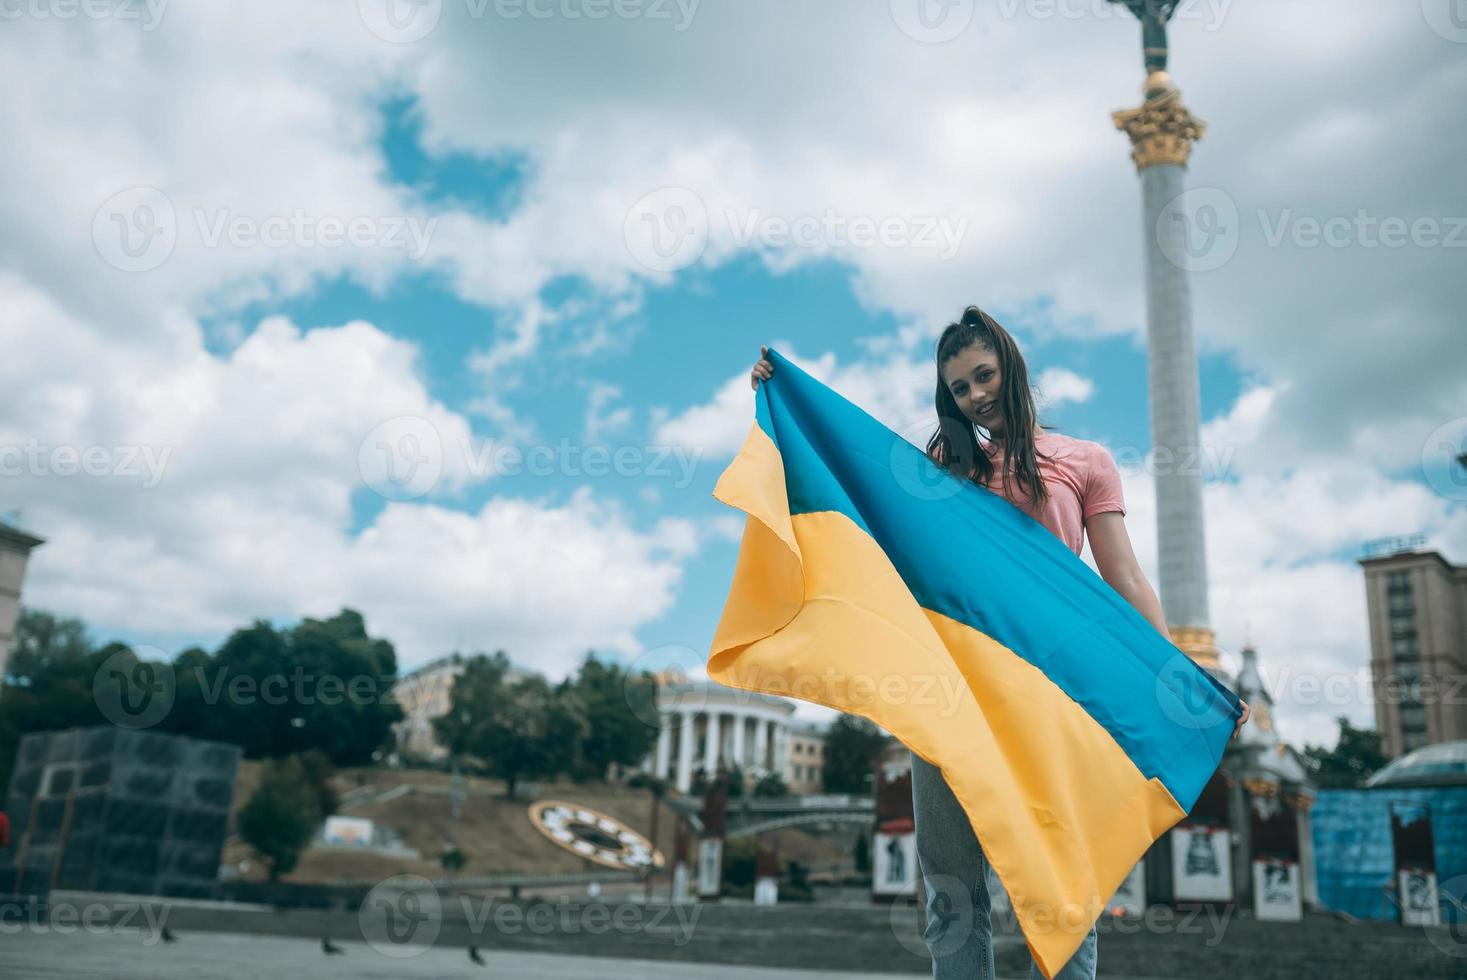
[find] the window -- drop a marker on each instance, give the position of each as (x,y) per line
(1406,648)
(1413,740)
(1402,604)
(1398,583)
(1413,717)
(1403,628)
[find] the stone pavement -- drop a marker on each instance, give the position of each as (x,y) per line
(725,940)
(37,954)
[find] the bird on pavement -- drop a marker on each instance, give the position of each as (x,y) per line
(474,955)
(330,948)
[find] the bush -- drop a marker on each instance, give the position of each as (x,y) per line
(281,815)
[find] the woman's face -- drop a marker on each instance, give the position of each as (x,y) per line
(974,380)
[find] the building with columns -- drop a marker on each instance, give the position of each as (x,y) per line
(704,724)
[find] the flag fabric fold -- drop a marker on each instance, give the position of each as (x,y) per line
(872,581)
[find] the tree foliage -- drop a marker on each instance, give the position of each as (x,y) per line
(851,747)
(1356,756)
(322,685)
(617,704)
(516,729)
(47,682)
(281,815)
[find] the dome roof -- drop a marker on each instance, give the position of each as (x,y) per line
(1443,764)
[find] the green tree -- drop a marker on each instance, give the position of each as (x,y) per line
(771,786)
(851,747)
(323,684)
(520,729)
(48,681)
(1356,756)
(478,694)
(318,772)
(453,861)
(281,815)
(616,701)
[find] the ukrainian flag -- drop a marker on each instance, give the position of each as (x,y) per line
(872,581)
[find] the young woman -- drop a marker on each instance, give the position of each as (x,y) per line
(1073,488)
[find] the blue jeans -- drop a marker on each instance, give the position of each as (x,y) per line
(959,931)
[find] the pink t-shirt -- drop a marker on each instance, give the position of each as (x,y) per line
(1082,480)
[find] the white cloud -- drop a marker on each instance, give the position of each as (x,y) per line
(761,109)
(601,419)
(1058,385)
(896,390)
(250,513)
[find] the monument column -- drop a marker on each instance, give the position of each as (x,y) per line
(761,744)
(1162,132)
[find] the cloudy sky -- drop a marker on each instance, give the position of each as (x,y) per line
(444,309)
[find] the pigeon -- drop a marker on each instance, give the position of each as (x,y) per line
(474,955)
(168,936)
(330,948)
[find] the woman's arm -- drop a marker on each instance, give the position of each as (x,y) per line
(1111,546)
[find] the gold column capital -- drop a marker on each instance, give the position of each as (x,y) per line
(1261,788)
(1162,130)
(1199,643)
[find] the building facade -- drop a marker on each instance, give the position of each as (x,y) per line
(704,724)
(424,695)
(15,550)
(1417,604)
(805,767)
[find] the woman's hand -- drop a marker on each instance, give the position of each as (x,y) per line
(763,370)
(1241,718)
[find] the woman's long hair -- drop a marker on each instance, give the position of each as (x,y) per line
(955,445)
